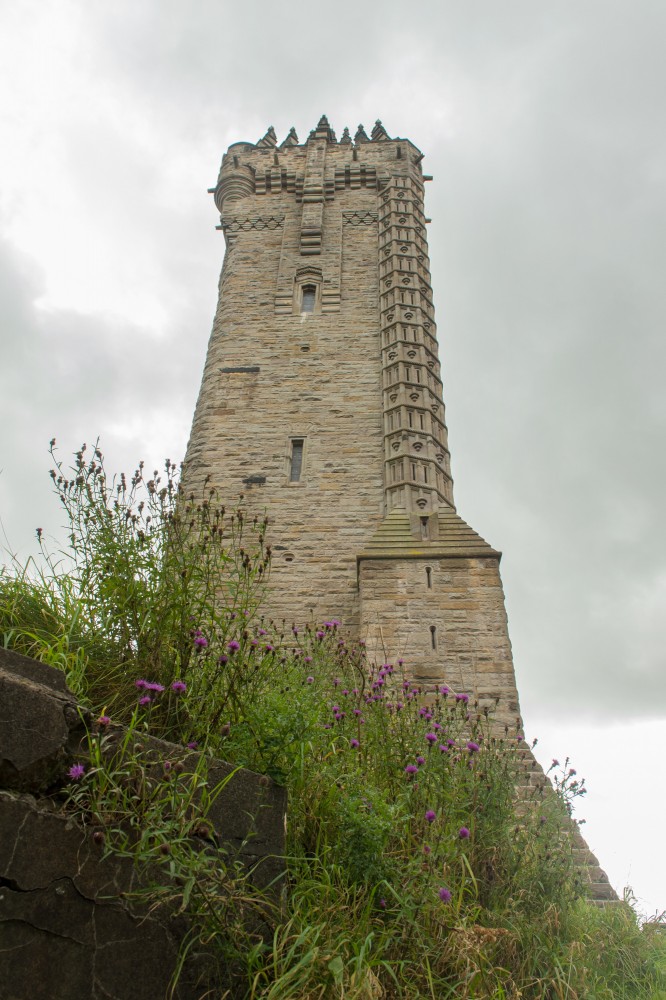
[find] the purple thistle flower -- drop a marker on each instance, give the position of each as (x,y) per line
(103,720)
(411,769)
(420,761)
(430,816)
(431,738)
(463,833)
(427,849)
(444,690)
(310,680)
(445,894)
(320,635)
(222,660)
(179,687)
(200,641)
(382,904)
(295,630)
(233,646)
(192,745)
(146,700)
(268,648)
(262,631)
(443,748)
(472,746)
(140,684)
(76,772)
(464,698)
(157,688)
(354,744)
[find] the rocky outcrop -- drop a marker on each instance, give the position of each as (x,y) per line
(69,927)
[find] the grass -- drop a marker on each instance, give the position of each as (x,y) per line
(409,874)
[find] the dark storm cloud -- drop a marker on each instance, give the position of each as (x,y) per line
(75,377)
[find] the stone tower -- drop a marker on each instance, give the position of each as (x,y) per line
(322,403)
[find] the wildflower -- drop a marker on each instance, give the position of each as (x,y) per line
(157,688)
(262,631)
(463,833)
(140,684)
(310,680)
(431,738)
(427,849)
(430,816)
(200,640)
(354,743)
(76,771)
(411,769)
(308,659)
(103,720)
(295,630)
(222,660)
(268,648)
(464,698)
(444,690)
(146,700)
(443,748)
(192,745)
(445,894)
(555,763)
(420,761)
(472,746)
(233,646)
(382,904)
(320,635)
(179,687)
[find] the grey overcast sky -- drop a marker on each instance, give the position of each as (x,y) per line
(543,124)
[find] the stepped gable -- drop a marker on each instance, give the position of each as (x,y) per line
(396,538)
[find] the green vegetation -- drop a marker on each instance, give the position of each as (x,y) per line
(409,873)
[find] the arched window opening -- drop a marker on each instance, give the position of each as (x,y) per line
(308,298)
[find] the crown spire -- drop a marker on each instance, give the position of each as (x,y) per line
(270,139)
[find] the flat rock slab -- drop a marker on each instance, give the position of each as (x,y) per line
(40,723)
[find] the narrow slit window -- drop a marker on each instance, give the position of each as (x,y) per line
(433,637)
(308,298)
(296,465)
(429,577)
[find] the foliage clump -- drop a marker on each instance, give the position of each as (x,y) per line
(410,871)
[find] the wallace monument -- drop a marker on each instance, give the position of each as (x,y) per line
(321,403)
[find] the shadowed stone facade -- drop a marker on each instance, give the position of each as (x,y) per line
(322,403)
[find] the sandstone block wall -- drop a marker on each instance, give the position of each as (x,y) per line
(446,618)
